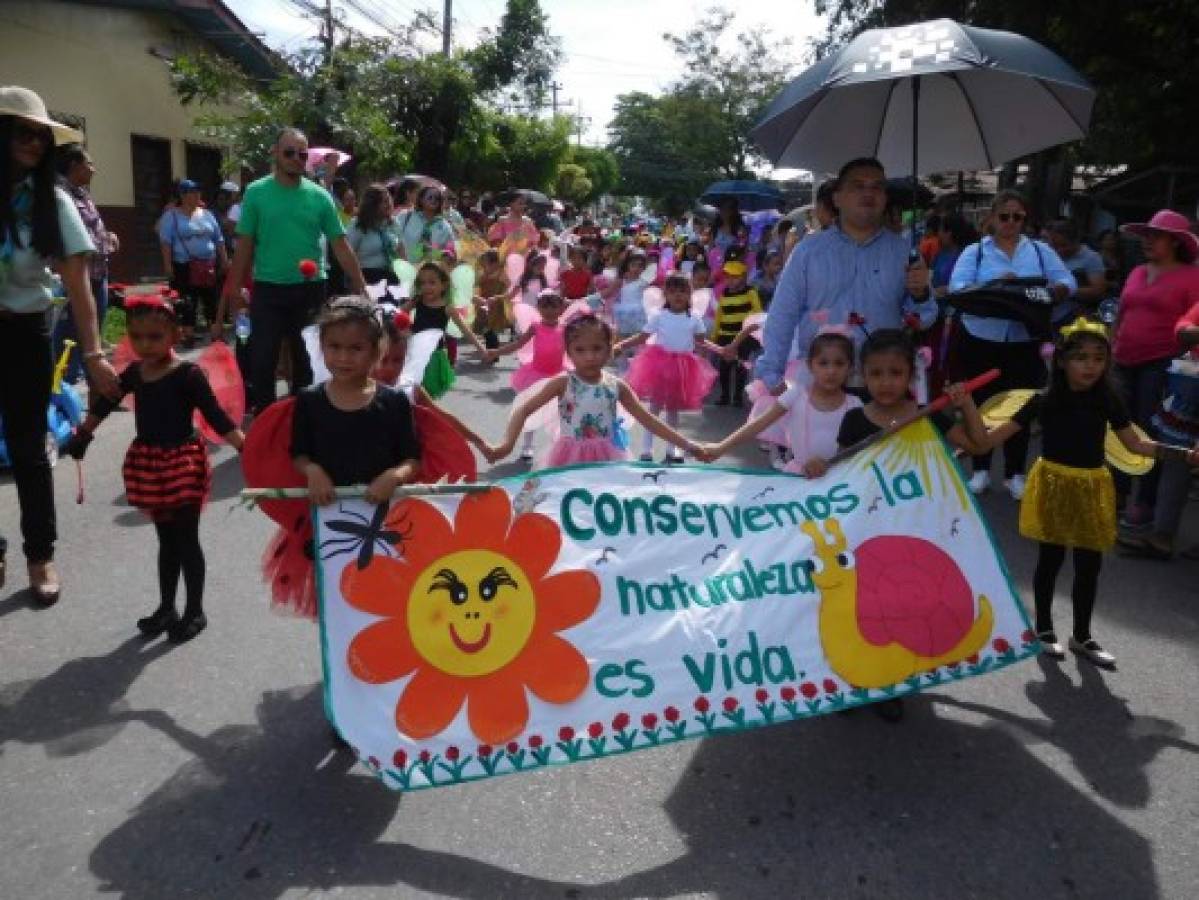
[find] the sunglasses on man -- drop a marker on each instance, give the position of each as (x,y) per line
(293,153)
(1011,217)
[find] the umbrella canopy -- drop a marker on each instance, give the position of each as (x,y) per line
(928,97)
(751,196)
(318,155)
(534,198)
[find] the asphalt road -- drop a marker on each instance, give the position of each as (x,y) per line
(149,771)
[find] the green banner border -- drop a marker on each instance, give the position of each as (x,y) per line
(716,719)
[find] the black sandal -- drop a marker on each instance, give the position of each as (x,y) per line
(162,619)
(190,625)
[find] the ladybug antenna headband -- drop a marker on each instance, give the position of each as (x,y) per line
(148,303)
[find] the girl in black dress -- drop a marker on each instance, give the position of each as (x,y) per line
(352,430)
(431,309)
(888,367)
(167,473)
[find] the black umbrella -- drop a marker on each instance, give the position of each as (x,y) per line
(928,97)
(751,196)
(534,198)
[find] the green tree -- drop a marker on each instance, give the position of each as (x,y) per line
(601,167)
(520,56)
(736,85)
(572,184)
(670,146)
(393,106)
(497,151)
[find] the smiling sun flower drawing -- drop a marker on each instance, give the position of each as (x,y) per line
(471,612)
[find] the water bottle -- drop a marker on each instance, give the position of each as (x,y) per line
(241,327)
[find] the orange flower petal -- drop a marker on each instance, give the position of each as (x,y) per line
(382,588)
(382,652)
(566,599)
(498,709)
(534,542)
(429,703)
(554,670)
(482,520)
(426,532)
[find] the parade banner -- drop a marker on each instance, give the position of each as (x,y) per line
(588,611)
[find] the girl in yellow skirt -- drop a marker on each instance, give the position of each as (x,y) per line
(1070,500)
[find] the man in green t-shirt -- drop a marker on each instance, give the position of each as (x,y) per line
(283,218)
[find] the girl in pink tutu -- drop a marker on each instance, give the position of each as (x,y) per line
(547,361)
(532,281)
(810,415)
(587,404)
(669,375)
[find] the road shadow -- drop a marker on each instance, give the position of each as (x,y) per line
(1109,745)
(266,809)
(850,806)
(847,806)
(81,705)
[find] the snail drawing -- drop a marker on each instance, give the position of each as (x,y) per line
(892,608)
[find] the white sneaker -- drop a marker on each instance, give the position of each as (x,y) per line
(1092,651)
(1015,486)
(979,482)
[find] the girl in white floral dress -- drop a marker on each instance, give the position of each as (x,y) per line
(587,400)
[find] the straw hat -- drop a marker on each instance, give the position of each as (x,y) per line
(1170,222)
(25,104)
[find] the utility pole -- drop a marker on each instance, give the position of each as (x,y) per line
(328,32)
(580,121)
(447,26)
(554,88)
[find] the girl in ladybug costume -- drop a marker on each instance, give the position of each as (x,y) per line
(166,470)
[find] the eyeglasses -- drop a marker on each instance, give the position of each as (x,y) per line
(292,153)
(30,133)
(1011,217)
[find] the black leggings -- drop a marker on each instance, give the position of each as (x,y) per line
(1020,366)
(179,551)
(1086,582)
(733,375)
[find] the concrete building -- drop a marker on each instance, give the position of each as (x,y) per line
(102,67)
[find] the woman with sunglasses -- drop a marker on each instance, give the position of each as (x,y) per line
(39,227)
(424,232)
(982,344)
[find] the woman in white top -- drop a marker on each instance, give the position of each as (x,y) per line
(39,225)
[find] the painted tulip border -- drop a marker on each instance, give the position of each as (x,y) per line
(707,716)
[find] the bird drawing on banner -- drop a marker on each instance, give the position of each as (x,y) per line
(529,497)
(603,557)
(713,554)
(653,476)
(762,493)
(953,527)
(874,504)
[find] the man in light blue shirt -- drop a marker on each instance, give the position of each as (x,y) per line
(854,266)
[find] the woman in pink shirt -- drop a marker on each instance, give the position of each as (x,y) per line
(515,229)
(1156,295)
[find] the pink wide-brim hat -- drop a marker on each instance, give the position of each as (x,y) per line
(1170,222)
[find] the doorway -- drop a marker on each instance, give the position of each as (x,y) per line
(151,190)
(203,165)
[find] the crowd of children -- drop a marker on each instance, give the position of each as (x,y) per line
(612,334)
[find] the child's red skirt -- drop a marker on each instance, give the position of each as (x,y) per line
(159,480)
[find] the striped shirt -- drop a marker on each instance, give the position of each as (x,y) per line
(731,312)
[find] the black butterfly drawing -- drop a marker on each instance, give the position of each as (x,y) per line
(365,536)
